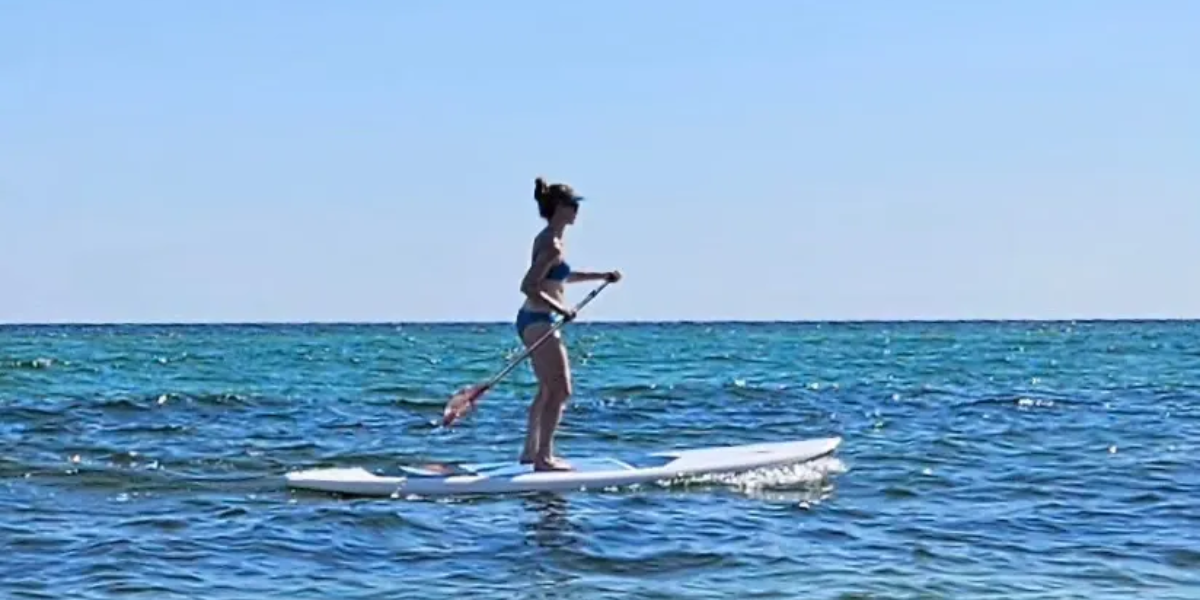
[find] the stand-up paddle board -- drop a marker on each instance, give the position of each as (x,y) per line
(586,473)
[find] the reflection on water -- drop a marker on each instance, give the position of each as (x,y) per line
(549,525)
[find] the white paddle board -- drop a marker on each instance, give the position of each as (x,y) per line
(598,472)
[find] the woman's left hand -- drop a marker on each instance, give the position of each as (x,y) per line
(612,276)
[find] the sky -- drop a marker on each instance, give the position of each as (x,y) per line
(229,161)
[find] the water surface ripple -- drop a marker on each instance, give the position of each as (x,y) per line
(980,460)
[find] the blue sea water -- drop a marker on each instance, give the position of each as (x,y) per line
(980,460)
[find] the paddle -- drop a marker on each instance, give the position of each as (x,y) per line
(465,399)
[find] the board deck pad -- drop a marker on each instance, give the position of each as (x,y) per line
(586,472)
(511,469)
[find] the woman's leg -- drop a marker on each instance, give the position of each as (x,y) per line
(533,426)
(554,405)
(551,367)
(530,328)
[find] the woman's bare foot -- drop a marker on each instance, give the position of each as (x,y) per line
(526,458)
(552,463)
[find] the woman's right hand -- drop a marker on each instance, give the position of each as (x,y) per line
(568,315)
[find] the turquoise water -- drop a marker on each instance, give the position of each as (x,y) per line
(997,460)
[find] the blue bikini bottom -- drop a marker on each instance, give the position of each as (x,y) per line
(528,317)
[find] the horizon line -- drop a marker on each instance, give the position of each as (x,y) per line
(706,321)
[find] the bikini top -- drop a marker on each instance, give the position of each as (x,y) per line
(558,272)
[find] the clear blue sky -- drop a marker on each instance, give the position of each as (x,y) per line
(369,160)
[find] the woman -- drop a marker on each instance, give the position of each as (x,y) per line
(543,288)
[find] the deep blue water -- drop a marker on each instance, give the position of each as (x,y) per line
(998,460)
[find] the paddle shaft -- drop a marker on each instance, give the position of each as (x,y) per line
(516,361)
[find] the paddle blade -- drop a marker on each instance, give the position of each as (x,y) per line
(461,403)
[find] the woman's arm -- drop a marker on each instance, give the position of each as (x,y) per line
(581,276)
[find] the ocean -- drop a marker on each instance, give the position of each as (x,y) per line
(979,460)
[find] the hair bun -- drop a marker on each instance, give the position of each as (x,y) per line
(539,188)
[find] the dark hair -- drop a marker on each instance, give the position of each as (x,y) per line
(549,196)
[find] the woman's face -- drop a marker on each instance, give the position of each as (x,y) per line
(567,210)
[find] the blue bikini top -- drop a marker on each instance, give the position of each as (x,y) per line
(558,272)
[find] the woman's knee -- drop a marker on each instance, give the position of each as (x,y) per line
(559,392)
(558,385)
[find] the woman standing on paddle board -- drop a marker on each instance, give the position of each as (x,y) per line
(543,288)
